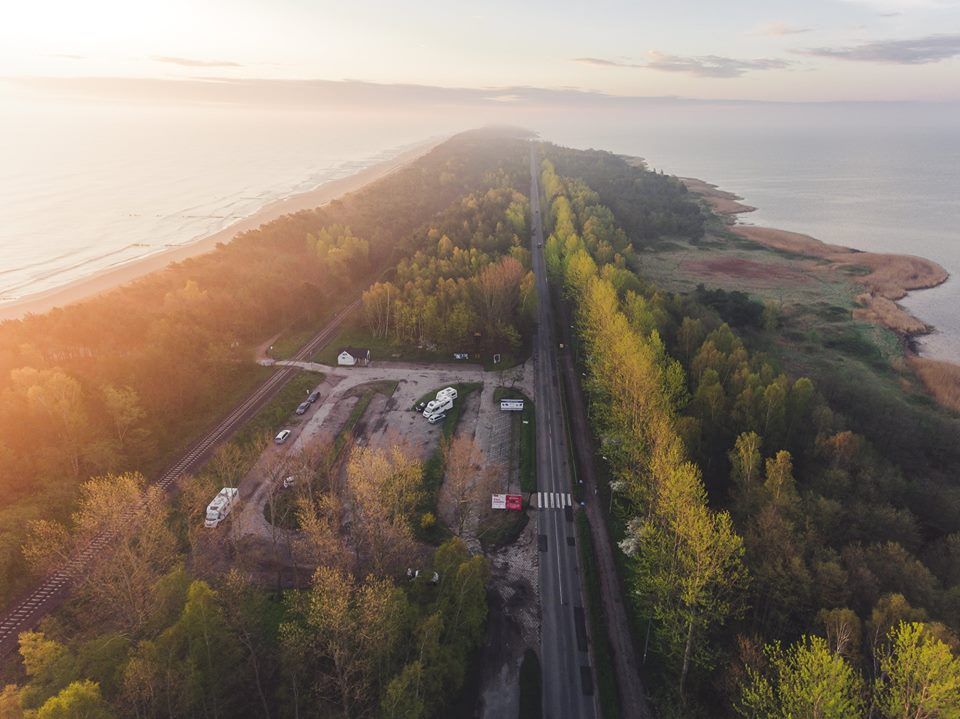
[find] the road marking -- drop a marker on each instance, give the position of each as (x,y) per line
(551,500)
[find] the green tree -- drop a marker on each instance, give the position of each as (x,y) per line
(123,406)
(919,676)
(79,700)
(403,698)
(806,681)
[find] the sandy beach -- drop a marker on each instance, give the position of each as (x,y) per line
(113,277)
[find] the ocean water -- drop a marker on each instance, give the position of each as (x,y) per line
(86,187)
(885,179)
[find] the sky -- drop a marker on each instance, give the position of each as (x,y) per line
(763,50)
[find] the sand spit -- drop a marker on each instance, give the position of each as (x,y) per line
(886,277)
(889,276)
(722,202)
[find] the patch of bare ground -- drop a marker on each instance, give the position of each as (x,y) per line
(890,276)
(762,272)
(720,201)
(887,277)
(942,380)
(513,623)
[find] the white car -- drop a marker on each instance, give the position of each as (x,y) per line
(288,482)
(438,417)
(282,436)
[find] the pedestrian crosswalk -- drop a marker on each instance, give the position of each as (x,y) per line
(551,500)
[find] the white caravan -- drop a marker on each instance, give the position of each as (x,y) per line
(220,507)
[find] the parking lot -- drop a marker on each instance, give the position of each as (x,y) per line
(387,421)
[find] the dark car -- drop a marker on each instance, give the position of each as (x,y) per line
(304,406)
(314,396)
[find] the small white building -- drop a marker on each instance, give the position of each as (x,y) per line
(353,357)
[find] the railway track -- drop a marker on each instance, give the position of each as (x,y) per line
(52,591)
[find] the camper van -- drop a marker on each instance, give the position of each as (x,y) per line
(448,392)
(220,507)
(437,406)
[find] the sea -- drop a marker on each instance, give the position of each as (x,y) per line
(87,186)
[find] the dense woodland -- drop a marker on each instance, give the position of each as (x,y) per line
(774,556)
(470,288)
(98,394)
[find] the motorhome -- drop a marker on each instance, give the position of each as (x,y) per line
(450,392)
(220,507)
(437,406)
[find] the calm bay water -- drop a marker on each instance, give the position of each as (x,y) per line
(87,186)
(884,179)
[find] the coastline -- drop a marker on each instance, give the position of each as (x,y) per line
(886,279)
(111,278)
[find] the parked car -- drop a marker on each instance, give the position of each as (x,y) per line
(438,417)
(304,406)
(288,482)
(420,407)
(282,436)
(314,396)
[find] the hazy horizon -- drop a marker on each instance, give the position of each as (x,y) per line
(824,50)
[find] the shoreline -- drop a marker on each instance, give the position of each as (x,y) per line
(110,278)
(885,277)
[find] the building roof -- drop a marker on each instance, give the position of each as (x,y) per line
(355,351)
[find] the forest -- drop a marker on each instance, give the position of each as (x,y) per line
(99,395)
(122,381)
(470,289)
(774,556)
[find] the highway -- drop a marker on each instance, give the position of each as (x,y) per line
(568,686)
(51,592)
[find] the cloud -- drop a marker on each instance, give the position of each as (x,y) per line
(190,62)
(68,56)
(918,51)
(713,66)
(779,29)
(600,62)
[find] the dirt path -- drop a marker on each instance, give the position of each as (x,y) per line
(513,624)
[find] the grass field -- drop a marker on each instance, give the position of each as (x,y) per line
(524,429)
(354,334)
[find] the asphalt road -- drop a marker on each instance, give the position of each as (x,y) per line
(53,590)
(568,687)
